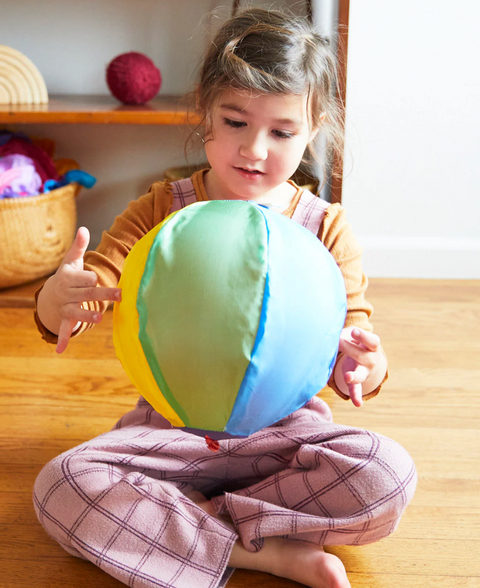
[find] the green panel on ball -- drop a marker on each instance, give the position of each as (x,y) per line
(185,325)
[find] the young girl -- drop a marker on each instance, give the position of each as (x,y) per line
(151,504)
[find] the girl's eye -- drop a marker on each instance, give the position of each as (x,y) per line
(236,124)
(282,134)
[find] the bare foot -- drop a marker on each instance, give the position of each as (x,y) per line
(309,564)
(301,561)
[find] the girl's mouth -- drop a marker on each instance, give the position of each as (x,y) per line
(249,174)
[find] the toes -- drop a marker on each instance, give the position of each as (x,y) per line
(333,572)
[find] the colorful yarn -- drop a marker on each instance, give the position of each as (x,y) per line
(133,78)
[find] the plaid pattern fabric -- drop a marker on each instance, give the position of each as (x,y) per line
(310,211)
(119,500)
(183,194)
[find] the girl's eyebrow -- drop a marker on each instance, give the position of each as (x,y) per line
(231,106)
(278,121)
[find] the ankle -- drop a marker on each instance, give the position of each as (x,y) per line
(268,559)
(281,556)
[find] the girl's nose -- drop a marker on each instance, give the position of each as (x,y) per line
(254,147)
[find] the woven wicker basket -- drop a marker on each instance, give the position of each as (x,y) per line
(174,174)
(35,233)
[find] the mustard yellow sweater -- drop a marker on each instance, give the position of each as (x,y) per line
(149,210)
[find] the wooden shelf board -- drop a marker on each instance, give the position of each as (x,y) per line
(164,110)
(20,296)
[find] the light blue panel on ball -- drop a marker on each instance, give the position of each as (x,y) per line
(302,317)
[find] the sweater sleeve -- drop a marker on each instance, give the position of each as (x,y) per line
(107,260)
(337,236)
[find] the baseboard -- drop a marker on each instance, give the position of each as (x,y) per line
(406,257)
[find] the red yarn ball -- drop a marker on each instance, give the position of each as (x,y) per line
(133,78)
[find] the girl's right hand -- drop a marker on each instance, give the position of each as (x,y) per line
(59,305)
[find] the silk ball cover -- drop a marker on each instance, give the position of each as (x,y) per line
(230,316)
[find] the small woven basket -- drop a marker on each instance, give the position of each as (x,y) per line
(35,234)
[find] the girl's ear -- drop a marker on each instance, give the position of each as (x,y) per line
(321,119)
(313,134)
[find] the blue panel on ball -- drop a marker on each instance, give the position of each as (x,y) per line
(302,317)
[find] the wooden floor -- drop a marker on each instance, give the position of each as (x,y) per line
(431,404)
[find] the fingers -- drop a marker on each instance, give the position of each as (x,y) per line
(78,247)
(354,380)
(354,376)
(358,353)
(362,353)
(74,314)
(369,340)
(358,375)
(71,285)
(355,391)
(81,286)
(95,294)
(80,278)
(66,328)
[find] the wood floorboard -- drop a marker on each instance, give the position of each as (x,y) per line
(431,405)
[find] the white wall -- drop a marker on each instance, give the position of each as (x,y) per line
(412,187)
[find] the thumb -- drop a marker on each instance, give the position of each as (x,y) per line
(79,246)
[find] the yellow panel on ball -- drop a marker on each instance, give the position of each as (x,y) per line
(126,326)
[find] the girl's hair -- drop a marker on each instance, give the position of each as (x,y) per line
(268,52)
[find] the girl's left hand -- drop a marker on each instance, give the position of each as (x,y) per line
(363,358)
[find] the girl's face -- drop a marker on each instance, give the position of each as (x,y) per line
(254,144)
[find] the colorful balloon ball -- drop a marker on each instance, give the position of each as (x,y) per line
(230,317)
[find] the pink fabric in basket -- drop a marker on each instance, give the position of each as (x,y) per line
(17,173)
